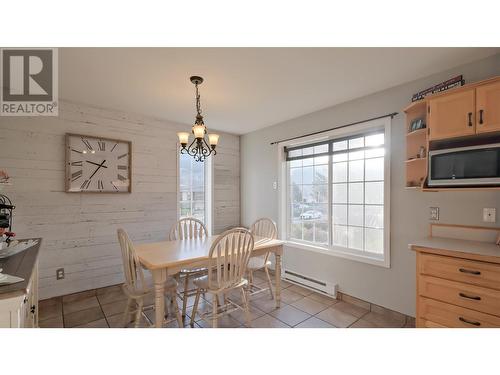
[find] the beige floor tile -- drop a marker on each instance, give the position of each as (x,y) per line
(268,321)
(56,322)
(336,317)
(314,322)
(290,315)
(288,296)
(301,290)
(324,299)
(265,304)
(410,322)
(82,317)
(101,323)
(361,323)
(239,315)
(115,321)
(383,321)
(349,308)
(114,308)
(80,304)
(223,322)
(111,295)
(49,309)
(309,305)
(78,296)
(391,314)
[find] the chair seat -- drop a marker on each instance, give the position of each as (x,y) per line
(202,283)
(256,263)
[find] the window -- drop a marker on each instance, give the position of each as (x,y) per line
(192,200)
(336,194)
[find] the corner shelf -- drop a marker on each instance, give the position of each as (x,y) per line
(416,144)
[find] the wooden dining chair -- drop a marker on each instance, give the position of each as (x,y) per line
(265,228)
(188,228)
(135,286)
(227,263)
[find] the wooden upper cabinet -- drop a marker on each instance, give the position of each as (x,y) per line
(452,115)
(488,108)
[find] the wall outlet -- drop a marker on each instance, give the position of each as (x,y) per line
(434,213)
(60,273)
(275,185)
(489,215)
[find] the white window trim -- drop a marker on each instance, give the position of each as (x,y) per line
(385,259)
(209,191)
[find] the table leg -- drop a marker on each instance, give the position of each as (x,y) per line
(277,275)
(159,278)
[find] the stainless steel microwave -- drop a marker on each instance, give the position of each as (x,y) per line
(473,165)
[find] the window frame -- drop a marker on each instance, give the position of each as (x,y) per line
(383,259)
(208,171)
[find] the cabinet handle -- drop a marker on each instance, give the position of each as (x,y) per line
(477,324)
(477,298)
(481,116)
(470,118)
(33,309)
(463,270)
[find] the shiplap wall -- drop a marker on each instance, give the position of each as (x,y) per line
(79,230)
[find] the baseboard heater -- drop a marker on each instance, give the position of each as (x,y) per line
(324,287)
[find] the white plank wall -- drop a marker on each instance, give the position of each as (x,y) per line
(79,230)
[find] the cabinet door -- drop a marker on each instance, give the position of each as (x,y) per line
(452,115)
(488,108)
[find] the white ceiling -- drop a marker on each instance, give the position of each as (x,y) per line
(245,88)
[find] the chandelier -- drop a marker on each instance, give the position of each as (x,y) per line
(199,148)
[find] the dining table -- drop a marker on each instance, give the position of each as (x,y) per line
(167,258)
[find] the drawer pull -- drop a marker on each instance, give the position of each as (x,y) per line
(477,324)
(464,270)
(477,298)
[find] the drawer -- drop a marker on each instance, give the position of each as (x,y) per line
(461,294)
(454,316)
(463,270)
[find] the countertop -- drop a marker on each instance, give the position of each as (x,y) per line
(20,265)
(486,251)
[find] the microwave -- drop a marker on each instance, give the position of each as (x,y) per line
(467,166)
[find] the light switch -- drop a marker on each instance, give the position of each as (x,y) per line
(434,213)
(489,215)
(275,185)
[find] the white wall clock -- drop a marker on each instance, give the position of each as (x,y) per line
(98,165)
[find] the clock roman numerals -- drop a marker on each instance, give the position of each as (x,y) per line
(122,156)
(123,167)
(114,186)
(77,163)
(100,185)
(116,144)
(87,143)
(85,185)
(102,145)
(121,178)
(76,175)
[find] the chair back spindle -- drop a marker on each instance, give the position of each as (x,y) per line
(134,276)
(264,227)
(228,258)
(188,228)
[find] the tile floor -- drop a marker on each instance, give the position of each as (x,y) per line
(301,308)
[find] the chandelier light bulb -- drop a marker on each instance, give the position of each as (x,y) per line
(183,138)
(213,139)
(199,131)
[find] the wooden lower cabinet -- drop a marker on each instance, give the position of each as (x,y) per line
(457,292)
